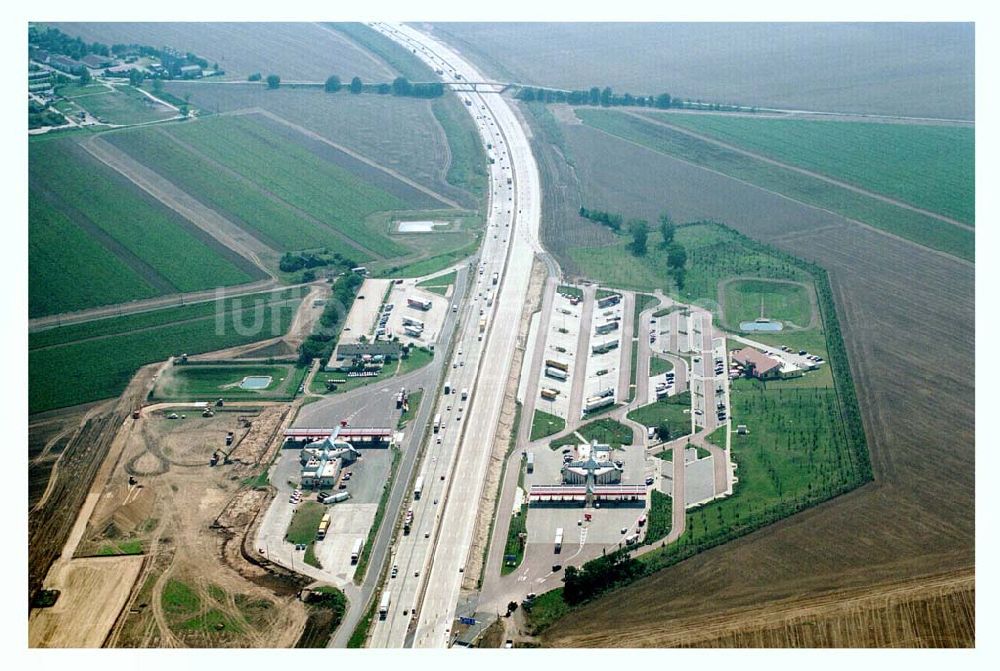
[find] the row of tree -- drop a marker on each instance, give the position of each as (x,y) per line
(320,345)
(606,97)
(401,86)
(612,221)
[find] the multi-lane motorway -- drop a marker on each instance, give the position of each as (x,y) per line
(431,558)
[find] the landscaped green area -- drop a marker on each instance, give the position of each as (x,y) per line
(366,550)
(440,284)
(670,410)
(914,226)
(66,369)
(659,366)
(122,106)
(414,404)
(658,521)
(417,358)
(567,290)
(323,190)
(714,253)
(747,300)
(131,246)
(513,552)
(605,430)
(305,522)
(208,382)
(929,166)
(544,424)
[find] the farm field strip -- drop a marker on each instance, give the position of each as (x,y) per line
(101,368)
(272,220)
(57,242)
(325,191)
(907,224)
(150,233)
(124,105)
(931,167)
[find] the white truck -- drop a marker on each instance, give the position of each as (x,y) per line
(383,606)
(465,394)
(559,540)
(356,550)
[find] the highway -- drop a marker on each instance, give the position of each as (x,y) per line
(432,557)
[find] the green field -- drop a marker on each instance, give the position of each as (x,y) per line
(166,251)
(201,382)
(658,366)
(305,521)
(670,410)
(914,226)
(323,190)
(714,253)
(440,281)
(781,301)
(69,370)
(123,106)
(543,424)
(605,430)
(467,169)
(930,167)
(273,221)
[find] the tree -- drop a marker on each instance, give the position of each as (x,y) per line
(676,255)
(255,77)
(639,229)
(401,87)
(135,77)
(667,229)
(332,84)
(606,96)
(84,76)
(663,430)
(663,100)
(595,95)
(157,86)
(356,86)
(273,81)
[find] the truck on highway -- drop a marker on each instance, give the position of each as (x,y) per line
(496,278)
(555,373)
(383,606)
(465,394)
(437,422)
(482,327)
(559,539)
(552,363)
(447,387)
(356,550)
(418,488)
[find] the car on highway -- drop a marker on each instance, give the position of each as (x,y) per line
(395,571)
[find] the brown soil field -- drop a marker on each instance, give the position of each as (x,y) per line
(93,591)
(931,612)
(907,316)
(198,587)
(86,458)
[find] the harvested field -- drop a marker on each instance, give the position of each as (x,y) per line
(869,68)
(925,230)
(93,592)
(401,134)
(929,612)
(295,51)
(928,166)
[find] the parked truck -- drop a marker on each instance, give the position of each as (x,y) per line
(419,303)
(324,524)
(356,550)
(549,394)
(339,497)
(552,363)
(597,402)
(555,373)
(559,540)
(410,321)
(608,301)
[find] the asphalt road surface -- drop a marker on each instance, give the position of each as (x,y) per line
(433,555)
